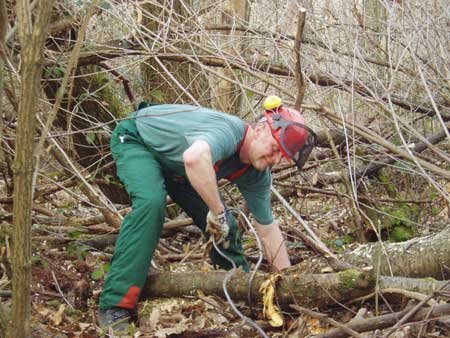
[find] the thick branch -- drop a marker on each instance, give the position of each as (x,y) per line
(372,168)
(381,322)
(125,48)
(298,65)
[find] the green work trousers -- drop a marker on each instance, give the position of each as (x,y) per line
(148,179)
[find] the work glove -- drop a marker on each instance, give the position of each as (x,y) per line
(217,226)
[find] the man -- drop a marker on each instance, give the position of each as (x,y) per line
(183,150)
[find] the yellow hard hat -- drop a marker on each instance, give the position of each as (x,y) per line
(272,102)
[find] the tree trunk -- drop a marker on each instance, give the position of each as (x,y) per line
(32,37)
(308,290)
(167,81)
(83,111)
(225,94)
(3,29)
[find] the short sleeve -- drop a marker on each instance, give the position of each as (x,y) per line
(255,187)
(223,143)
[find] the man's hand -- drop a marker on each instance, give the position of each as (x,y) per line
(217,226)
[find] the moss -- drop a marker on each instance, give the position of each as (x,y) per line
(6,229)
(109,96)
(401,234)
(349,278)
(398,222)
(404,214)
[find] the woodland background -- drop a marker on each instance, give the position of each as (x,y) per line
(372,78)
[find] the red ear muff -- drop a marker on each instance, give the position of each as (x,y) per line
(295,140)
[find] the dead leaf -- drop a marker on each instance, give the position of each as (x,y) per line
(58,316)
(315,327)
(270,310)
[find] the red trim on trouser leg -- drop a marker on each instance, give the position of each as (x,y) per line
(130,299)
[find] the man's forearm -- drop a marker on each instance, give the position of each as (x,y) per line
(274,245)
(200,172)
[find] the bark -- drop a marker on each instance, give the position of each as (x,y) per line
(421,257)
(32,37)
(4,314)
(309,290)
(424,286)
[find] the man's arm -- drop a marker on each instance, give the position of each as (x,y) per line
(200,172)
(274,244)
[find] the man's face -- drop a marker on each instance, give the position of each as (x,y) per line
(264,151)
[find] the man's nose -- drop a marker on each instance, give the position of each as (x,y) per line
(276,158)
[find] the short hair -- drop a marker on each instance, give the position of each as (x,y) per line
(261,118)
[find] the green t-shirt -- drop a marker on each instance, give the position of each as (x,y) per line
(169,129)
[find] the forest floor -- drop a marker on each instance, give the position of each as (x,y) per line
(67,279)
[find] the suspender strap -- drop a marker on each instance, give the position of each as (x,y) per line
(238,173)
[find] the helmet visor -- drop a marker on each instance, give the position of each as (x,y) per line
(298,142)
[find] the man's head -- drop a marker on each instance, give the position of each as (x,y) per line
(263,151)
(281,132)
(295,140)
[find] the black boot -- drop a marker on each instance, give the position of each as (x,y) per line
(116,318)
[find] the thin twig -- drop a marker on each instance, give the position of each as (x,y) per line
(60,291)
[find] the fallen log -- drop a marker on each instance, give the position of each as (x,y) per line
(427,256)
(309,290)
(420,257)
